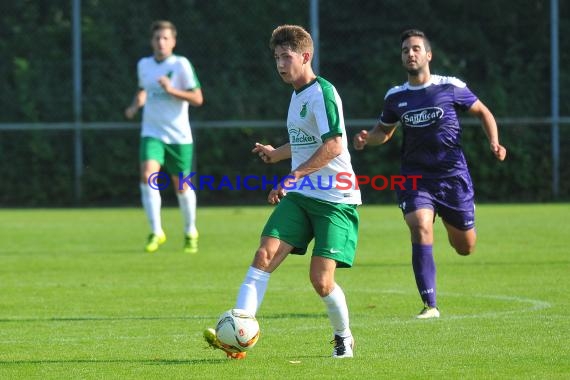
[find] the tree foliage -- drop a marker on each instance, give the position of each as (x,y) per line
(502,54)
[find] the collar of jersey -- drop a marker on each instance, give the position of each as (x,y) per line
(297,92)
(164,60)
(421,86)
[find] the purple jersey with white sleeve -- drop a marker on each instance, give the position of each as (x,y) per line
(432,134)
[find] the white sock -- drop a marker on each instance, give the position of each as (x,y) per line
(337,310)
(252,290)
(187,202)
(151,202)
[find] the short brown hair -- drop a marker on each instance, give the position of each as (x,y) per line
(293,36)
(416,33)
(162,24)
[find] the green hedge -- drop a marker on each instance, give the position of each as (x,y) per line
(40,170)
(503,55)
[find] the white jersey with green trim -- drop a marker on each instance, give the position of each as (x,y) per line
(315,114)
(164,116)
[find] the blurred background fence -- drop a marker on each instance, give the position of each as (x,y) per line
(66,143)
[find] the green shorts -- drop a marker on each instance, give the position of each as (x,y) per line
(176,158)
(298,219)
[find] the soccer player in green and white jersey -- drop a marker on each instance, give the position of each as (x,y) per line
(167,86)
(311,203)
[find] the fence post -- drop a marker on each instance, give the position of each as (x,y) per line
(314,17)
(554,101)
(77,100)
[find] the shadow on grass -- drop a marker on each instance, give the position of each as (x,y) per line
(109,361)
(94,318)
(292,316)
(143,318)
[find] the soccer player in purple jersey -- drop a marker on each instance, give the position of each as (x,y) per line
(426,107)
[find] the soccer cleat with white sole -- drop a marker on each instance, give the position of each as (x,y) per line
(428,313)
(191,242)
(154,242)
(212,340)
(343,347)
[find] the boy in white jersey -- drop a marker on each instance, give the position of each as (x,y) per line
(310,202)
(167,86)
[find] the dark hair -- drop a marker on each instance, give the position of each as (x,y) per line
(416,33)
(162,24)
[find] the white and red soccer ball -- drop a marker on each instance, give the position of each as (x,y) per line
(237,330)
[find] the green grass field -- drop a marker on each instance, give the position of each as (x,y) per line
(79,299)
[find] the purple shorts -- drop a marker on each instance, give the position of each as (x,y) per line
(451,198)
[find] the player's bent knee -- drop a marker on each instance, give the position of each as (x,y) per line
(465,250)
(421,233)
(262,259)
(323,288)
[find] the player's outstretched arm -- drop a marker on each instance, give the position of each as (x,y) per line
(271,155)
(376,136)
(480,110)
